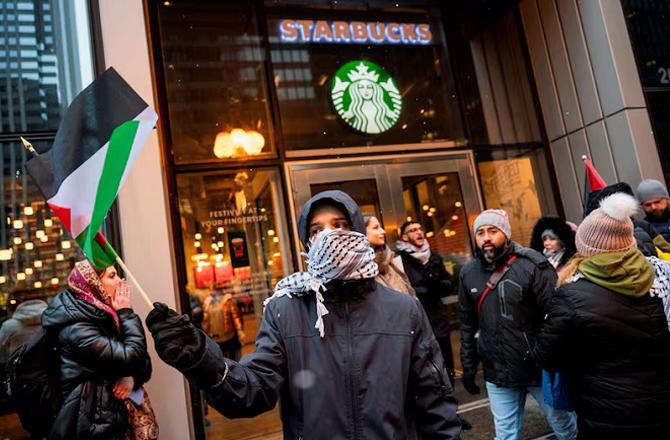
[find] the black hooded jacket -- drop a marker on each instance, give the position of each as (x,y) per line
(510,318)
(561,229)
(376,374)
(93,356)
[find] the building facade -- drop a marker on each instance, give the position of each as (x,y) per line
(425,110)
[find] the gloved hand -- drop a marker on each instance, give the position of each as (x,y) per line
(470,385)
(178,342)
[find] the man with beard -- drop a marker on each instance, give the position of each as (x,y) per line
(346,357)
(503,295)
(653,196)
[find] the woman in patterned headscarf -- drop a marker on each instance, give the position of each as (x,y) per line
(103,353)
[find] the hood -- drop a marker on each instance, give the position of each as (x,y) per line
(30,312)
(628,272)
(65,309)
(338,198)
(560,228)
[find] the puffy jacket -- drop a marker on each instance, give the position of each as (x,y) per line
(378,372)
(93,356)
(25,322)
(510,320)
(431,282)
(615,352)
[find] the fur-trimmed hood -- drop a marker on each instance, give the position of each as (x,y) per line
(560,228)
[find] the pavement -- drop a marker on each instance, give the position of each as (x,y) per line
(475,409)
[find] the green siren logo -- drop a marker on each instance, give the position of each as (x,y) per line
(366,97)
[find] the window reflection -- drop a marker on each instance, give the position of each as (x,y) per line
(215,79)
(522,204)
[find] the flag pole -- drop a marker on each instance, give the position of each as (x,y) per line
(102,241)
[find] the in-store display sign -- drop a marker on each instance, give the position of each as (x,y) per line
(366,97)
(323,31)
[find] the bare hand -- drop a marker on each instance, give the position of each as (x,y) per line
(122,298)
(241,336)
(124,387)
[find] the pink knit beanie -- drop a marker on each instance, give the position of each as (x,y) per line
(608,228)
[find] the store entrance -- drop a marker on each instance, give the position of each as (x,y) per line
(437,190)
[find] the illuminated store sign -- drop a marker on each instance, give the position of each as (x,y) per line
(322,31)
(366,97)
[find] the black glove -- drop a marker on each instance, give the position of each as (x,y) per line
(470,385)
(178,342)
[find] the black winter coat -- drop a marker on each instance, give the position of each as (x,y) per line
(377,374)
(431,282)
(93,356)
(511,317)
(615,352)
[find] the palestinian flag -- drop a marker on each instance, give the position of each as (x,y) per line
(97,142)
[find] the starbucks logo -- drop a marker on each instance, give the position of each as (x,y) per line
(366,97)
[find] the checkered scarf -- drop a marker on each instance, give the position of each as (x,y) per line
(335,255)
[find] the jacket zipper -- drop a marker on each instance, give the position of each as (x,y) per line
(350,371)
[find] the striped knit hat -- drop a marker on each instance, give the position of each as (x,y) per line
(608,228)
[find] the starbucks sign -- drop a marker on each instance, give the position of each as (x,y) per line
(366,97)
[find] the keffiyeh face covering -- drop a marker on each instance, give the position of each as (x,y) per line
(334,255)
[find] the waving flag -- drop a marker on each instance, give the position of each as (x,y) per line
(97,142)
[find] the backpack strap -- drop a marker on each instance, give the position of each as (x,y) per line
(493,281)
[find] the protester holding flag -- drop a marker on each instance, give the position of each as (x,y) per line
(103,354)
(349,357)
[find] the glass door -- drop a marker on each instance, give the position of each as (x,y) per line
(437,190)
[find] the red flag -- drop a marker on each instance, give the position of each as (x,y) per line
(594,180)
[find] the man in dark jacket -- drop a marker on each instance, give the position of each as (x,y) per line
(507,318)
(608,336)
(426,272)
(369,368)
(654,198)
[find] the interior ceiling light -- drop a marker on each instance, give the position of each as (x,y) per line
(238,143)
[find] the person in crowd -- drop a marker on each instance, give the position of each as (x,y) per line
(103,354)
(25,322)
(431,282)
(607,334)
(391,271)
(223,323)
(349,357)
(554,238)
(654,198)
(499,324)
(647,238)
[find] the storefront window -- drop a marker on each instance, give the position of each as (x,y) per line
(518,183)
(215,79)
(236,248)
(351,76)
